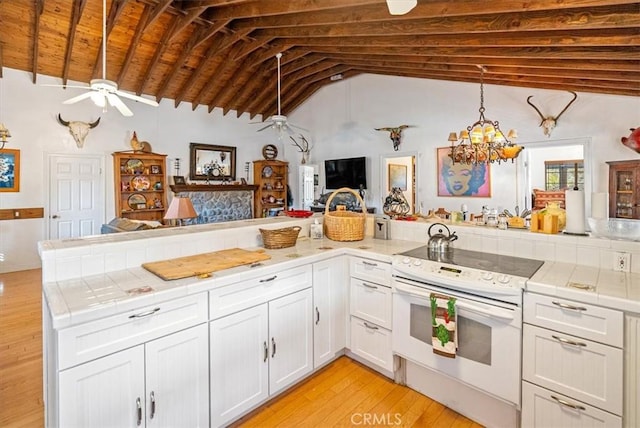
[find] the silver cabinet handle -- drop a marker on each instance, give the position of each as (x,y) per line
(145,314)
(317,316)
(369,326)
(369,263)
(152,396)
(269,279)
(273,346)
(571,307)
(370,286)
(266,352)
(567,404)
(567,341)
(138,412)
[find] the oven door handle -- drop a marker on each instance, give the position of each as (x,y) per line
(490,312)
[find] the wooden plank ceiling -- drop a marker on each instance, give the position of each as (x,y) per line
(221,53)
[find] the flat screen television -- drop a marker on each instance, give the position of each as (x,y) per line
(351,173)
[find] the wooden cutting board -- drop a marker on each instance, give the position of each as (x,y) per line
(204,264)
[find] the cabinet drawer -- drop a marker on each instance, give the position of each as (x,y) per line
(95,339)
(591,322)
(372,343)
(371,302)
(370,270)
(541,409)
(241,295)
(587,371)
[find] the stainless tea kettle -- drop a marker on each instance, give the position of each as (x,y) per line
(440,242)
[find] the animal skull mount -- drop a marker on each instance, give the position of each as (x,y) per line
(78,130)
(550,122)
(395,134)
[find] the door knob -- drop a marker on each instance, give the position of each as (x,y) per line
(55,216)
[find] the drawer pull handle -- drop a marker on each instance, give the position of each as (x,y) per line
(571,307)
(266,352)
(273,344)
(369,263)
(153,405)
(145,314)
(138,412)
(567,404)
(369,326)
(370,286)
(317,316)
(269,279)
(567,341)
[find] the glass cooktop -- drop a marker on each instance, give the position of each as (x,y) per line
(515,266)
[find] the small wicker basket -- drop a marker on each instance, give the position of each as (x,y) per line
(274,239)
(342,225)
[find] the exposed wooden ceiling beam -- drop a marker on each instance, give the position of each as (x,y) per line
(39,8)
(76,14)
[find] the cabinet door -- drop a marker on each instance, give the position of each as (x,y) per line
(372,342)
(239,363)
(177,375)
(329,289)
(290,338)
(371,301)
(107,392)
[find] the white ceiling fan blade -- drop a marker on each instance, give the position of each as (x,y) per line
(65,86)
(137,98)
(78,98)
(265,127)
(117,103)
(400,7)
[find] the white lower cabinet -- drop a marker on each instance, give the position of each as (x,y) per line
(371,342)
(329,310)
(163,383)
(258,352)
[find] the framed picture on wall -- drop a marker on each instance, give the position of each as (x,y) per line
(397,176)
(460,179)
(9,170)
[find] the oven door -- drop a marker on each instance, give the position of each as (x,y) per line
(489,338)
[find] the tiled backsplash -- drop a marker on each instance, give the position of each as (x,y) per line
(73,258)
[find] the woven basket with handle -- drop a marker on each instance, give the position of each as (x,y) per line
(342,225)
(280,238)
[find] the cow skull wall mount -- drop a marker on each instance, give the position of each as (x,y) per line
(549,123)
(395,134)
(78,130)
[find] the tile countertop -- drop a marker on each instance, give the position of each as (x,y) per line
(88,298)
(611,289)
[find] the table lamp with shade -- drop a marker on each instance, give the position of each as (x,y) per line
(179,209)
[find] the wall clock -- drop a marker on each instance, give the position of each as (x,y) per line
(270,152)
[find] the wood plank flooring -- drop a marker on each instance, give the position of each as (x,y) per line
(344,394)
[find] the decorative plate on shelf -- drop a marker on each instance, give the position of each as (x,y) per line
(140,183)
(270,152)
(267,172)
(134,166)
(136,200)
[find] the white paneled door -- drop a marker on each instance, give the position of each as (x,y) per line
(76,196)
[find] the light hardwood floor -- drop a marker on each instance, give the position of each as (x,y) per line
(343,394)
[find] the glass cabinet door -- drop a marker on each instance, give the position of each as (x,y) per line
(624,189)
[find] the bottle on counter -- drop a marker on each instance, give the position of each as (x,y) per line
(315,230)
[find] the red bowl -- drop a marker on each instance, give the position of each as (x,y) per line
(299,213)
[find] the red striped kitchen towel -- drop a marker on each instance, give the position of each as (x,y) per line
(444,337)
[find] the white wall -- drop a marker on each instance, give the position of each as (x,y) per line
(341,117)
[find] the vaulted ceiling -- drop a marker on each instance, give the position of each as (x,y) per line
(221,53)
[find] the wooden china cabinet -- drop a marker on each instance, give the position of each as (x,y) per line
(271,196)
(624,189)
(140,183)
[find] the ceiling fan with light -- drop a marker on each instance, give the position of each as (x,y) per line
(279,121)
(103,91)
(400,7)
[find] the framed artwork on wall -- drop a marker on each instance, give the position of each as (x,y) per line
(9,170)
(459,179)
(212,162)
(397,176)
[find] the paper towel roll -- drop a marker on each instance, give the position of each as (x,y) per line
(600,205)
(574,203)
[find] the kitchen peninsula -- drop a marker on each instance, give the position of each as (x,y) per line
(99,303)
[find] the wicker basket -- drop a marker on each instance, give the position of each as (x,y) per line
(342,225)
(280,238)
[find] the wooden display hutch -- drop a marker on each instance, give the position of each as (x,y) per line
(140,183)
(271,196)
(624,189)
